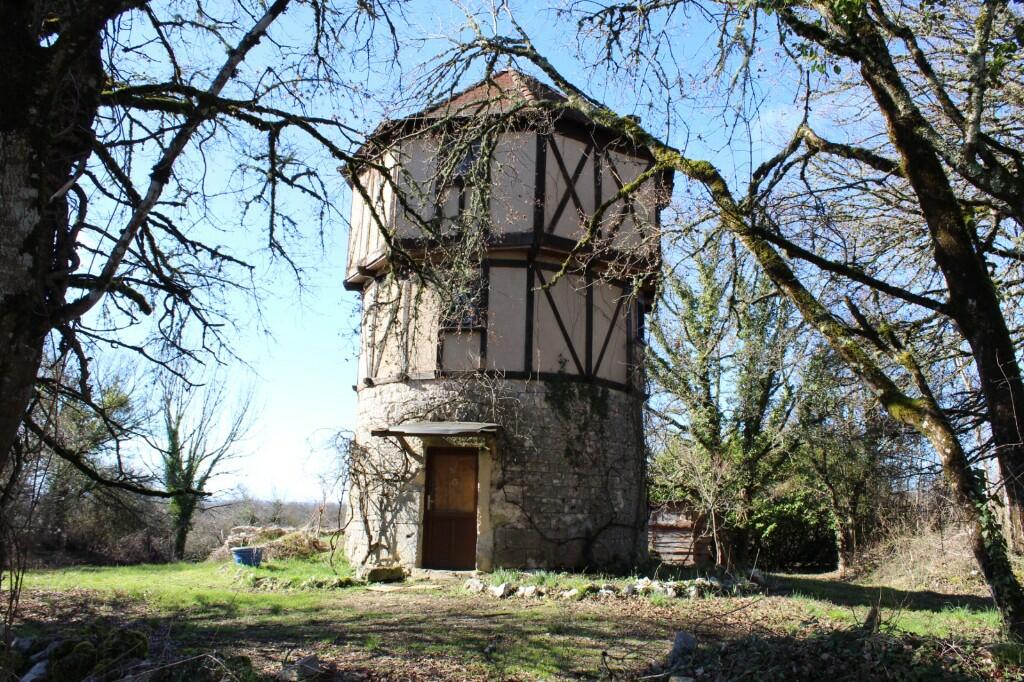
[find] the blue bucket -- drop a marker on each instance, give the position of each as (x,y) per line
(247,556)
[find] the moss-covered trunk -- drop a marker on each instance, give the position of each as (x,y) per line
(988,543)
(973,300)
(182,511)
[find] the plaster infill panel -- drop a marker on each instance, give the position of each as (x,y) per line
(506,319)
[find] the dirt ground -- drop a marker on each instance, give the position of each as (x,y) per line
(441,632)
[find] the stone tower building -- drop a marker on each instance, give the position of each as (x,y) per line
(500,425)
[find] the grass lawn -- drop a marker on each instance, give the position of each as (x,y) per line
(437,630)
(171,587)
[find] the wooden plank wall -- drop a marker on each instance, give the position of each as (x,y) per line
(678,537)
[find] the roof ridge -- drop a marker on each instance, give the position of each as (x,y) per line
(505,84)
(531,83)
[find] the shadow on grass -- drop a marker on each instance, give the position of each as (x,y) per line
(850,594)
(497,640)
(425,638)
(849,654)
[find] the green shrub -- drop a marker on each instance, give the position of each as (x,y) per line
(793,532)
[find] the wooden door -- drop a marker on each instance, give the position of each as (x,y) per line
(449,517)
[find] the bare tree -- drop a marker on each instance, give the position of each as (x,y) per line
(111,111)
(112,225)
(201,433)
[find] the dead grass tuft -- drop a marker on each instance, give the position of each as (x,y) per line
(297,545)
(936,559)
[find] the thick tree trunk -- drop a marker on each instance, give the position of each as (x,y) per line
(740,547)
(975,309)
(180,538)
(741,537)
(844,543)
(46,124)
(21,336)
(973,299)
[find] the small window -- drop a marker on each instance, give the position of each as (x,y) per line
(464,167)
(450,193)
(466,310)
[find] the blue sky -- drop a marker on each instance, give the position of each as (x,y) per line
(302,366)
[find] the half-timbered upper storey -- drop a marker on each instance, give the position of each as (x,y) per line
(544,172)
(546,175)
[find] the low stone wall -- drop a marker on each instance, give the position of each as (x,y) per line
(564,480)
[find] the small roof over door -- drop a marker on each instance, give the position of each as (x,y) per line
(438,429)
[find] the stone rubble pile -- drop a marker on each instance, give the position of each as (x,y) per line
(248,536)
(674,589)
(276,542)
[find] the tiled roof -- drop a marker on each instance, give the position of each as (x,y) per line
(501,93)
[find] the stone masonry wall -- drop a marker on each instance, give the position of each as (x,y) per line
(566,477)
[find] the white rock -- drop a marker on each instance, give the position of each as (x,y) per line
(629,590)
(475,585)
(527,591)
(501,591)
(571,594)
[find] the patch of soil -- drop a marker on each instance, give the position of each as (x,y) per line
(447,634)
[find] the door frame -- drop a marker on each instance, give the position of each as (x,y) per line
(463,451)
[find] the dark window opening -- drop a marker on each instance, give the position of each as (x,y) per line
(454,185)
(466,309)
(464,167)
